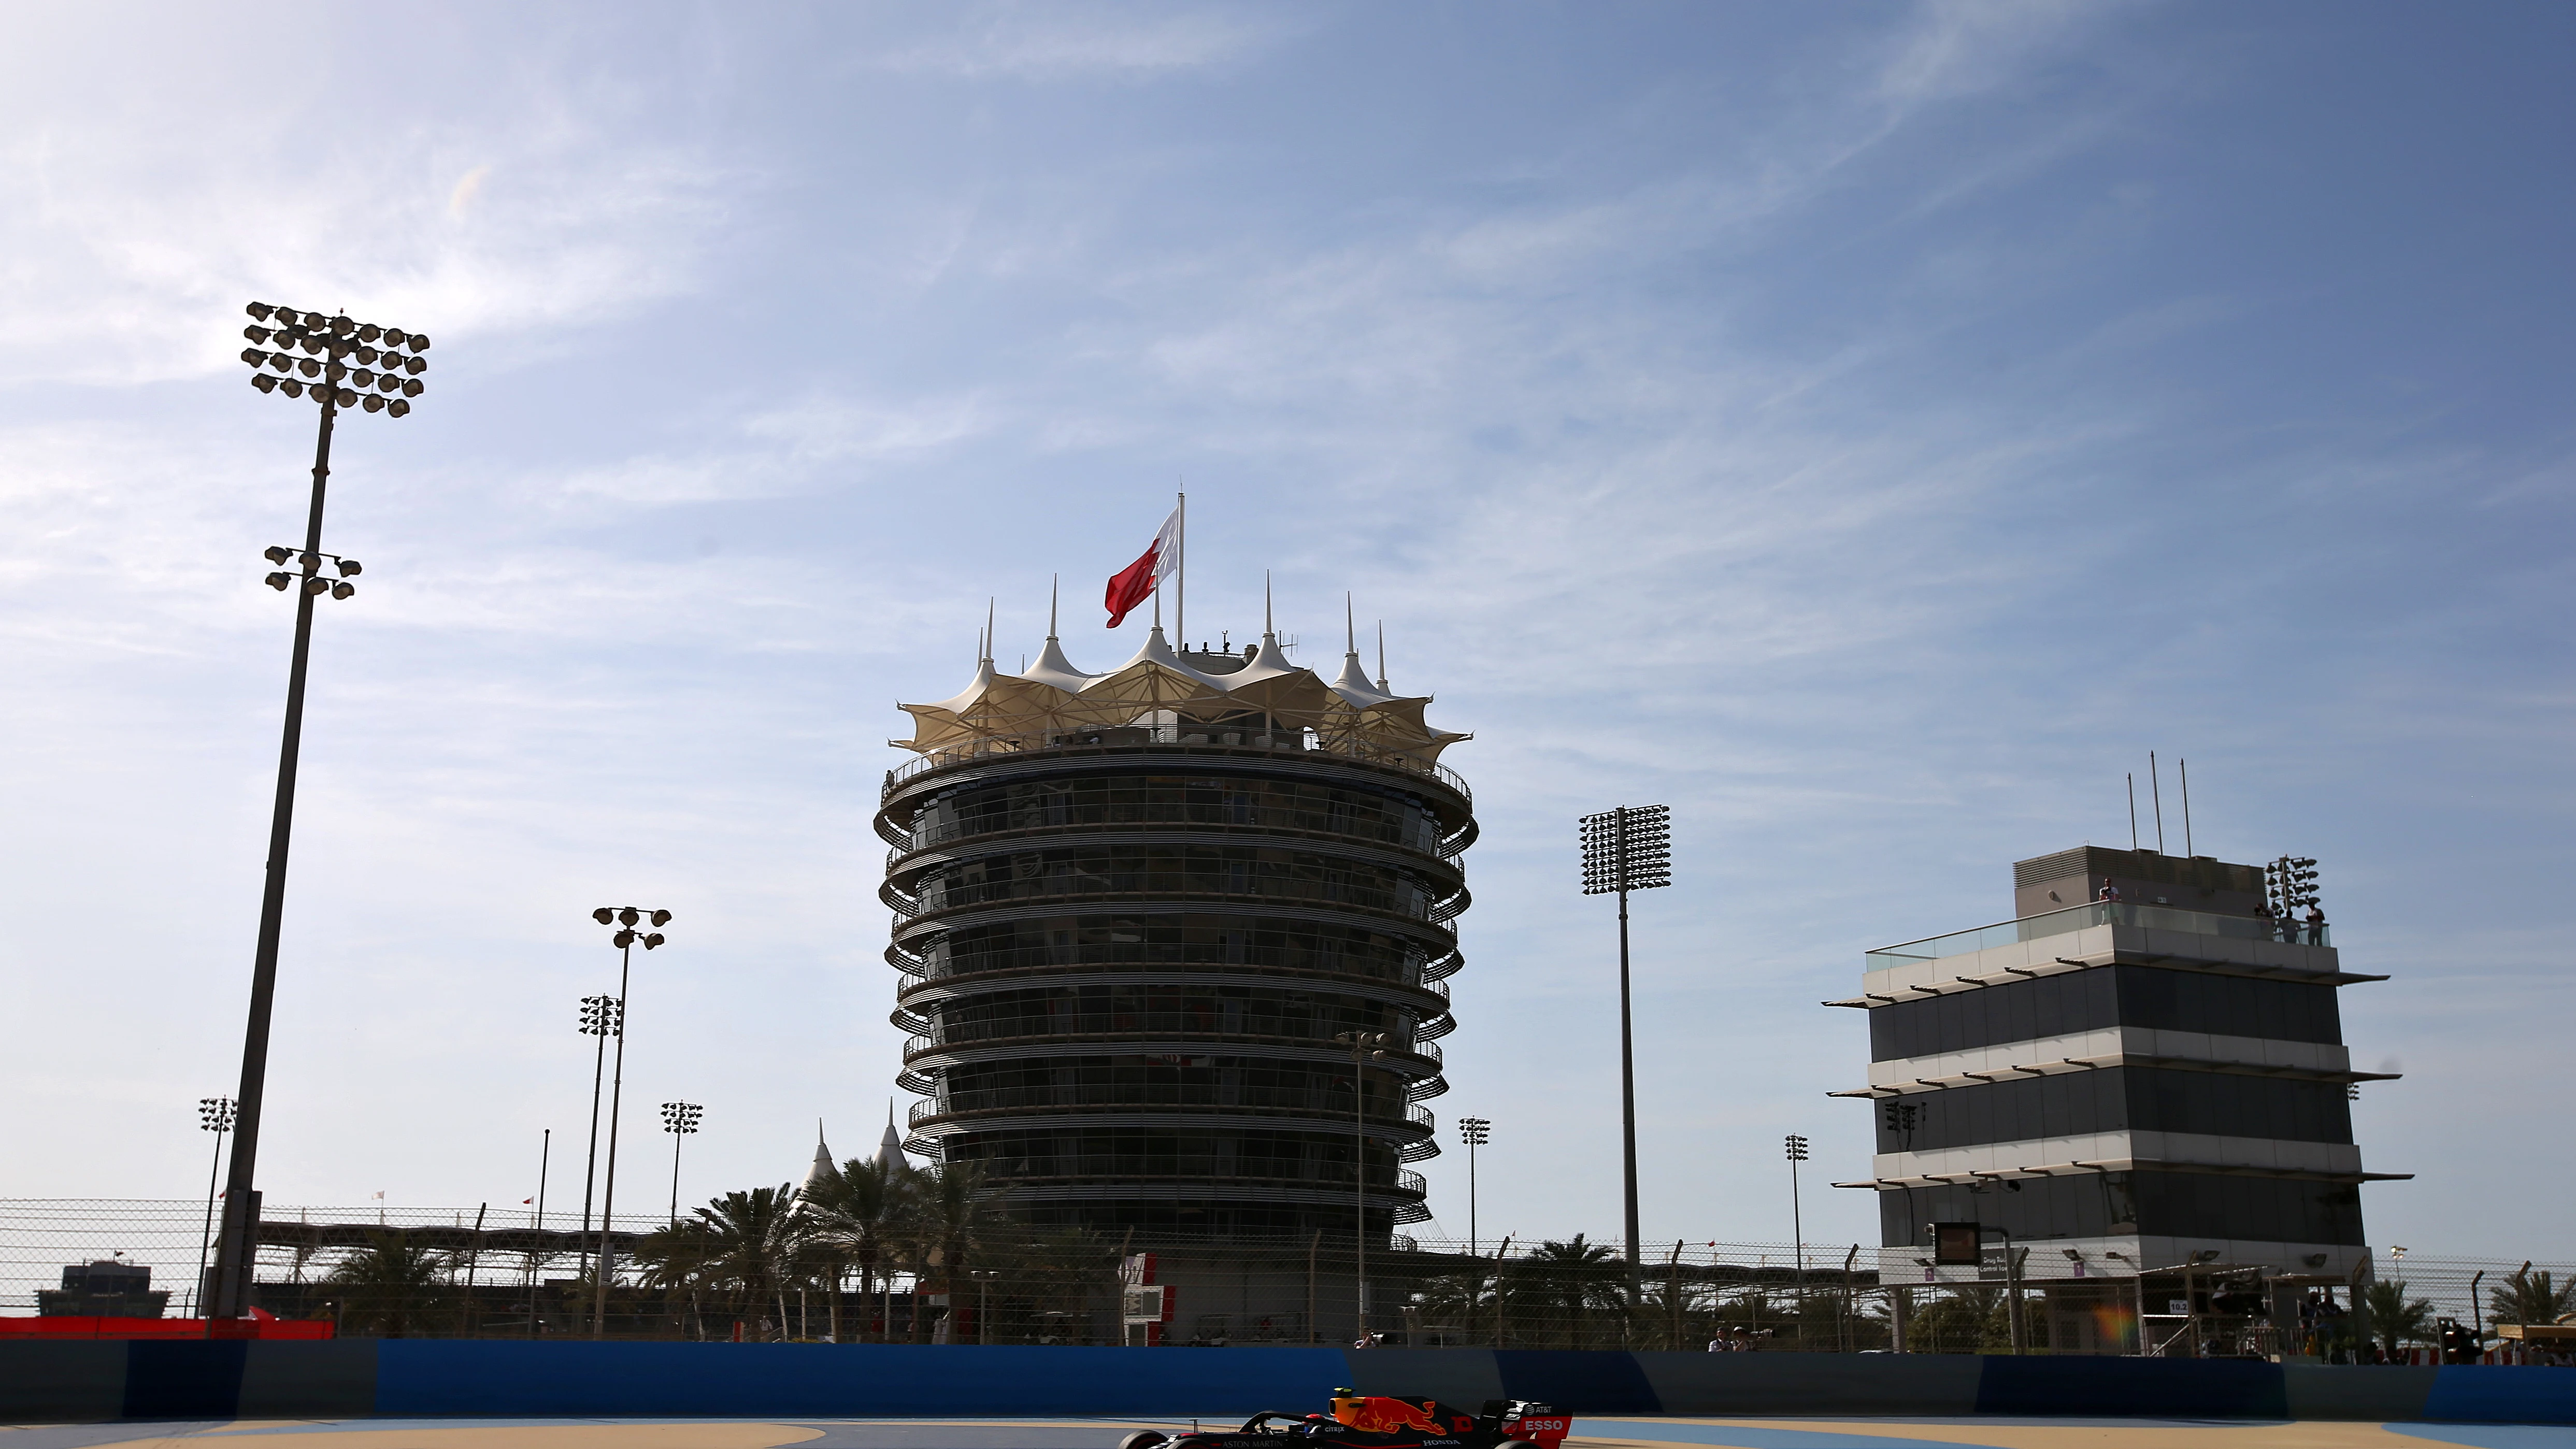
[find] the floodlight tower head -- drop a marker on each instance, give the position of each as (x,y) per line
(1627,849)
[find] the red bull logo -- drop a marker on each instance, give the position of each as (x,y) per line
(1375,1415)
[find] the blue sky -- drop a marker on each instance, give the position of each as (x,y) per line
(1868,429)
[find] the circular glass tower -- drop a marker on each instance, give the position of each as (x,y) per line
(1139,917)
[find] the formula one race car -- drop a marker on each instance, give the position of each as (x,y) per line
(1372,1421)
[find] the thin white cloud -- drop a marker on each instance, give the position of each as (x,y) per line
(1063,41)
(129,240)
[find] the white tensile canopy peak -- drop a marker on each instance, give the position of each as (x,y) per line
(1054,702)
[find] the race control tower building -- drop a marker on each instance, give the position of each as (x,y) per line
(1133,912)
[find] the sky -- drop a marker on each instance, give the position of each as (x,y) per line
(1868,429)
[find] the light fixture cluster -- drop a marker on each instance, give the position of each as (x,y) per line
(346,364)
(314,583)
(626,919)
(2291,882)
(603,1016)
(215,1114)
(1628,849)
(681,1118)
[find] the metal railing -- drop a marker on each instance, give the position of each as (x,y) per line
(1001,747)
(2099,913)
(1418,905)
(1071,1043)
(1336,1106)
(1122,957)
(1058,1286)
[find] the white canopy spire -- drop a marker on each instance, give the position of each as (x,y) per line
(890,1146)
(823,1170)
(1049,701)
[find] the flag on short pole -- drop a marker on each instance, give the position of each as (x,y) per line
(1133,584)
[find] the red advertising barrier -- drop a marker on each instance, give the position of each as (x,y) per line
(71,1326)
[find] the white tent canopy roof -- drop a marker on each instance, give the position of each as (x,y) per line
(1157,688)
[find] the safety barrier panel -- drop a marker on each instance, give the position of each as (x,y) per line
(348,1378)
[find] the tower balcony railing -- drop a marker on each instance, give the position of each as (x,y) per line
(1160,740)
(1413,904)
(1333,1106)
(1114,1170)
(1075,820)
(1069,1043)
(1185,1023)
(1122,957)
(2100,913)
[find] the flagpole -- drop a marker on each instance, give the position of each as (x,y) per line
(1181,567)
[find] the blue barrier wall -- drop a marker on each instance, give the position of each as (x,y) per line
(431,1378)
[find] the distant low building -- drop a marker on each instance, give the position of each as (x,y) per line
(104,1289)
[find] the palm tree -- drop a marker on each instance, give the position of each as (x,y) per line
(952,1213)
(747,1242)
(389,1280)
(676,1259)
(2531,1297)
(858,1216)
(1970,1318)
(2393,1319)
(1570,1279)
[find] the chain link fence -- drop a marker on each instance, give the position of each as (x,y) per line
(499,1272)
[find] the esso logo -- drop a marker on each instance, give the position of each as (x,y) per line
(1545,1426)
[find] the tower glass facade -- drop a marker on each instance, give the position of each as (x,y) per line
(2145,1068)
(1127,945)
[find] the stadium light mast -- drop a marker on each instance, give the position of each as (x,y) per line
(625,920)
(1627,849)
(1475,1132)
(680,1119)
(344,364)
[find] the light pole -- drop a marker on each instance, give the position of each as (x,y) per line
(1628,849)
(388,376)
(1795,1147)
(601,1017)
(1365,1046)
(680,1119)
(214,1114)
(536,1244)
(624,919)
(983,1303)
(1474,1132)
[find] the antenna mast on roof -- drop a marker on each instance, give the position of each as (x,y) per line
(1381,658)
(988,633)
(1053,581)
(2156,792)
(1180,578)
(2185,767)
(2132,778)
(1269,635)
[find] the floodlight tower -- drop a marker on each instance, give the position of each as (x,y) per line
(680,1119)
(1627,849)
(345,364)
(1475,1132)
(625,920)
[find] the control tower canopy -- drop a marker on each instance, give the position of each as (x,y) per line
(1174,700)
(1139,918)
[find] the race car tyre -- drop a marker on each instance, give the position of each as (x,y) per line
(1148,1438)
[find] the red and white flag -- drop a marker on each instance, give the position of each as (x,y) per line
(1132,585)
